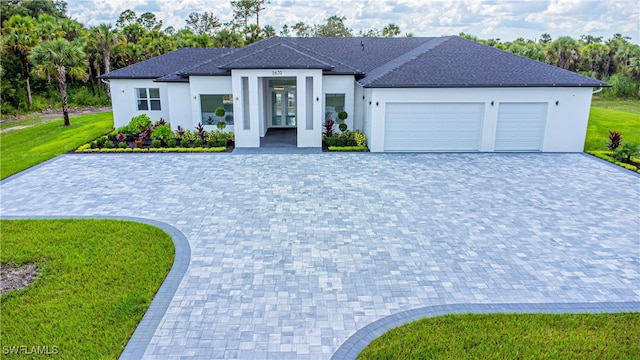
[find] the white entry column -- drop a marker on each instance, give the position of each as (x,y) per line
(246,106)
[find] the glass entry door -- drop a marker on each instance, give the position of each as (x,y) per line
(283,106)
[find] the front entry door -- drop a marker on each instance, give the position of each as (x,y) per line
(283,107)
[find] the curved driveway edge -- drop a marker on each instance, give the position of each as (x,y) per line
(146,328)
(363,337)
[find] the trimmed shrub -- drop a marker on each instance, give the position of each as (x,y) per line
(348,148)
(342,115)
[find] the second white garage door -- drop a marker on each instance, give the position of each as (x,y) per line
(520,126)
(433,126)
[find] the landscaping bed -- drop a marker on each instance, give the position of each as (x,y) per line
(140,135)
(633,164)
(620,152)
(346,140)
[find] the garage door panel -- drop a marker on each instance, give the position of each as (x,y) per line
(433,126)
(520,126)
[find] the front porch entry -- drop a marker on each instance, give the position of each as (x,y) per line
(278,107)
(280,137)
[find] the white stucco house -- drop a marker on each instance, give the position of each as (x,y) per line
(405,94)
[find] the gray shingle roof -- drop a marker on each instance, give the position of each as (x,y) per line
(376,62)
(166,64)
(277,56)
(458,62)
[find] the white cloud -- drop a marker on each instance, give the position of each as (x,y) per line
(502,19)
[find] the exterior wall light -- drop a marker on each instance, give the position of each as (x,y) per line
(557,102)
(491,102)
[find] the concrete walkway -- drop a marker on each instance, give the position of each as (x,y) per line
(292,254)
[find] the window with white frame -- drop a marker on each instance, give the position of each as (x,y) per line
(209,104)
(333,104)
(148,99)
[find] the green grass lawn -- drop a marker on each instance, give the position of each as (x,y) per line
(602,120)
(626,105)
(98,277)
(512,336)
(23,148)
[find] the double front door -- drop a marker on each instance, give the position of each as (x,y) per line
(283,106)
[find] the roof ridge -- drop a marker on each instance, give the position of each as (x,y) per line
(269,47)
(325,56)
(232,51)
(292,46)
(394,64)
(183,71)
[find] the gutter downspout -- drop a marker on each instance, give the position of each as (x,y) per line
(597,90)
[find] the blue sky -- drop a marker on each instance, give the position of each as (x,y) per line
(506,20)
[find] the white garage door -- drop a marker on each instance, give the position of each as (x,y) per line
(433,126)
(520,126)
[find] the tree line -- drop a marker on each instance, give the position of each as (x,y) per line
(43,50)
(615,60)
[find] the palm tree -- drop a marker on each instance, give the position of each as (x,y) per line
(252,33)
(391,30)
(59,58)
(105,38)
(564,52)
(49,28)
(596,58)
(21,38)
(228,39)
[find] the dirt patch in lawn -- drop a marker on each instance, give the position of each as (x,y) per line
(17,278)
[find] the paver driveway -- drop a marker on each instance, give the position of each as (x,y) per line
(291,254)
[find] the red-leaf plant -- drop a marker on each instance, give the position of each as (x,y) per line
(328,127)
(180,132)
(615,138)
(145,133)
(202,134)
